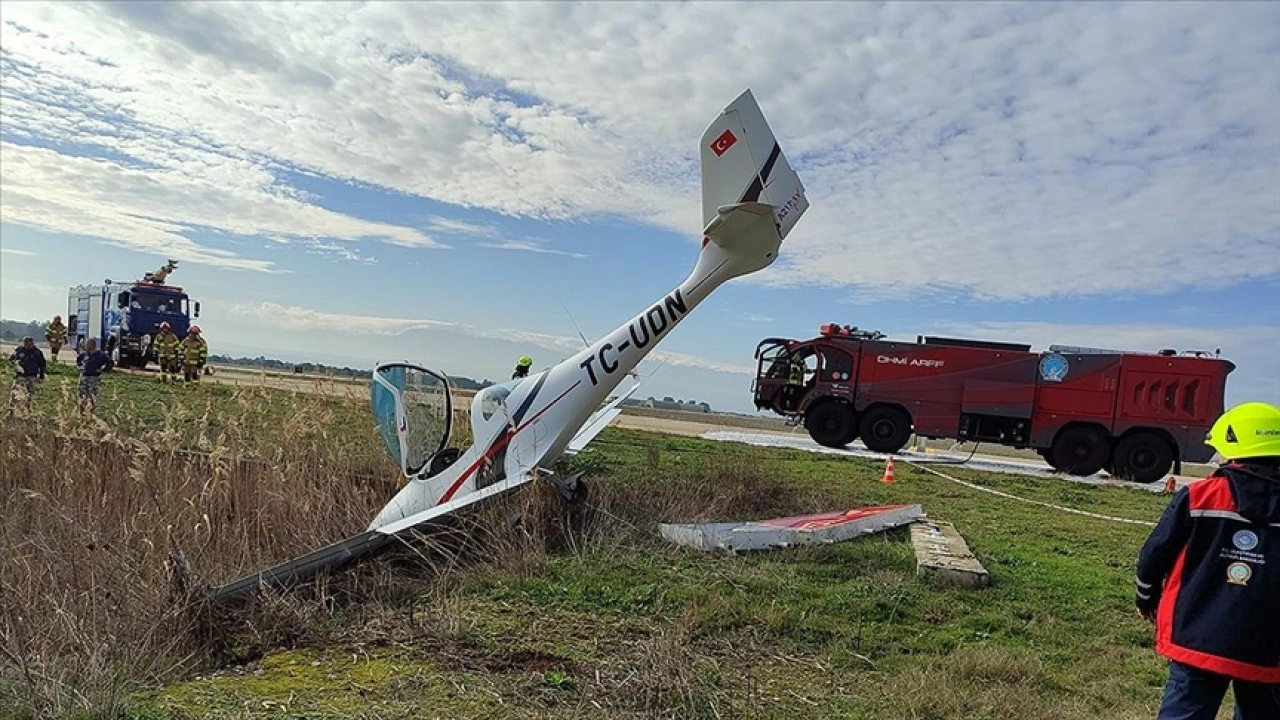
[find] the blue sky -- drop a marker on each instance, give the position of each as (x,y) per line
(354,182)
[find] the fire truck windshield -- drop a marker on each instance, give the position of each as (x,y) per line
(772,358)
(152,302)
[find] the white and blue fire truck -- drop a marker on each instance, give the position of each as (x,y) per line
(124,317)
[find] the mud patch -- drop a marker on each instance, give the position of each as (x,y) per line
(465,655)
(528,661)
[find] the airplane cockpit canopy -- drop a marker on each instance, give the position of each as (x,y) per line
(414,412)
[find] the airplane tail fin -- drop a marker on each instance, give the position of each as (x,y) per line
(751,197)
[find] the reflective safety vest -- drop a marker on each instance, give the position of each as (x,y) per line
(56,332)
(194,351)
(167,345)
(1211,570)
(797,374)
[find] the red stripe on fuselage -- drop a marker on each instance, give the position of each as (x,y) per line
(502,442)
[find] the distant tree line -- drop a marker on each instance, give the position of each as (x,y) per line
(15,330)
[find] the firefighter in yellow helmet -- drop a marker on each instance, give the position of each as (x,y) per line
(195,351)
(522,367)
(55,334)
(1209,575)
(166,345)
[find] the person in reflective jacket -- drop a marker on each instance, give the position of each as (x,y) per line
(1209,576)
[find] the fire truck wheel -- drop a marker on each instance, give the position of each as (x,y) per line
(1080,451)
(885,429)
(1143,457)
(830,423)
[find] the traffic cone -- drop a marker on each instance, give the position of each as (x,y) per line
(888,471)
(1170,485)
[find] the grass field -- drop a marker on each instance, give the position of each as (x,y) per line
(583,615)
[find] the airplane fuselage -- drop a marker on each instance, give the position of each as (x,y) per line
(545,410)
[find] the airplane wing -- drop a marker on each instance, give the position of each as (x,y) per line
(598,422)
(367,543)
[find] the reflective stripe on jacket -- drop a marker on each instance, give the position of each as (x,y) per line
(167,345)
(194,352)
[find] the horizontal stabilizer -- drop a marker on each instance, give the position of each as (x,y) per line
(598,422)
(821,528)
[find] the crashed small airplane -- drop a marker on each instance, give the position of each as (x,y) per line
(751,199)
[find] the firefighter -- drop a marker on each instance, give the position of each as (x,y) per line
(30,368)
(522,367)
(795,382)
(1209,576)
(194,353)
(55,335)
(166,345)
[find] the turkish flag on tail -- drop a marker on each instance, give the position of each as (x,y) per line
(722,144)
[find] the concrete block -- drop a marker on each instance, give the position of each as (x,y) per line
(942,552)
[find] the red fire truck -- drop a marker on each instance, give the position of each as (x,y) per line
(1082,409)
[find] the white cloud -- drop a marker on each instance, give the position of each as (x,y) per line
(24,299)
(530,246)
(449,226)
(1006,151)
(336,252)
(288,317)
(12,251)
(151,210)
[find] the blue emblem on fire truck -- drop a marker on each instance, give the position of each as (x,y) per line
(1054,367)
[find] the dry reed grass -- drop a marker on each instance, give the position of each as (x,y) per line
(89,601)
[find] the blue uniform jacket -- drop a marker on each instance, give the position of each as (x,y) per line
(30,362)
(95,363)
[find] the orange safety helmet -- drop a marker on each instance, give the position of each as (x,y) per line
(193,330)
(57,318)
(164,325)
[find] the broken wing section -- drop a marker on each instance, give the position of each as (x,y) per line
(598,422)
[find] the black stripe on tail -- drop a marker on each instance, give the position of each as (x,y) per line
(757,186)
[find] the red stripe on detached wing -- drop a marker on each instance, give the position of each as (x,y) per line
(502,442)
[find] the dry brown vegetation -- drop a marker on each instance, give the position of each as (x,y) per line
(95,519)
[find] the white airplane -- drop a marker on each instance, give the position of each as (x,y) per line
(751,199)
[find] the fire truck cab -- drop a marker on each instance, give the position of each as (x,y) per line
(1082,409)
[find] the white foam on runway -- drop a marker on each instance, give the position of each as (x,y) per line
(984,463)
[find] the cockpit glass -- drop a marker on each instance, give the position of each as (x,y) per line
(412,408)
(491,399)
